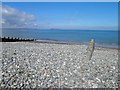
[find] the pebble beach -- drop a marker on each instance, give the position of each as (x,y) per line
(44,65)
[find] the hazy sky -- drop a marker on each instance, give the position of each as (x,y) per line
(61,15)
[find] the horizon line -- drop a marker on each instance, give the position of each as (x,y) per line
(58,29)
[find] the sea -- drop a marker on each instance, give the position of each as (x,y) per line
(103,38)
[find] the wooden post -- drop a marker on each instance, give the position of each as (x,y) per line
(90,49)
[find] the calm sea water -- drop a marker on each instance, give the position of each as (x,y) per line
(102,37)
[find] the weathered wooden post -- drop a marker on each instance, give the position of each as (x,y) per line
(90,49)
(0,39)
(17,39)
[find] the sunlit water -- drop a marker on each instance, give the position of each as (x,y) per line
(105,38)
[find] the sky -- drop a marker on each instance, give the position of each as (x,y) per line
(60,15)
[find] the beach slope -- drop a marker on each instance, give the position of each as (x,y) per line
(27,64)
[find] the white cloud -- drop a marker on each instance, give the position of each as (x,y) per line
(13,18)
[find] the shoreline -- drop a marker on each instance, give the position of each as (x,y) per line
(69,43)
(50,41)
(78,43)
